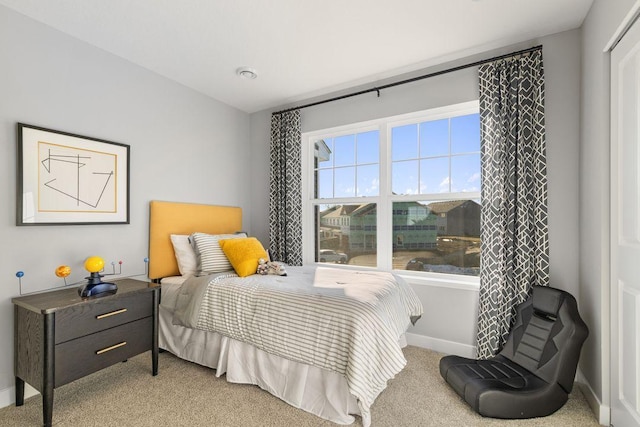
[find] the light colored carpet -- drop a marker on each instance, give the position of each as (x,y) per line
(185,394)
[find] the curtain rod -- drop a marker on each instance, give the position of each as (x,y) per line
(413,79)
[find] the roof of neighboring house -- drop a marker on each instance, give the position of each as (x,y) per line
(444,207)
(363,209)
(366,208)
(323,153)
(338,211)
(349,209)
(330,211)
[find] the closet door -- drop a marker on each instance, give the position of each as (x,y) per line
(625,230)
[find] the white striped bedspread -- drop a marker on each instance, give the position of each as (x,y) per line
(347,321)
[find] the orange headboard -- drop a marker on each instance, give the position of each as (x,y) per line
(167,218)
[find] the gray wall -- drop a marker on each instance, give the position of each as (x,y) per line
(184,147)
(450,314)
(598,28)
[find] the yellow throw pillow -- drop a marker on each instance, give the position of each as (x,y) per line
(243,254)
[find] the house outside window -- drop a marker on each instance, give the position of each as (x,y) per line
(399,193)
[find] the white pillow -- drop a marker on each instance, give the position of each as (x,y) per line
(185,255)
(209,255)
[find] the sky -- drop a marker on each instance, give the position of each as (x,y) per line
(438,156)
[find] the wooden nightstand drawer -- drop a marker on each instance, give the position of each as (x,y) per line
(76,358)
(84,319)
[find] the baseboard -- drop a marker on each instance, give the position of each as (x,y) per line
(602,412)
(441,346)
(8,395)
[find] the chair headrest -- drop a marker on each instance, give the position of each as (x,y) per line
(547,300)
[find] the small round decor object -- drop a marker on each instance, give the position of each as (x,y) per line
(63,271)
(94,264)
(19,274)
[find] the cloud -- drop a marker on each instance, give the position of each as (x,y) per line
(372,189)
(444,185)
(344,191)
(475,177)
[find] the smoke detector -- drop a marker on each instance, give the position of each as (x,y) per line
(247,73)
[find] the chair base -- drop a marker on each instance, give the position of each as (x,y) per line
(500,388)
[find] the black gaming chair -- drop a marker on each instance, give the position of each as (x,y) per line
(533,374)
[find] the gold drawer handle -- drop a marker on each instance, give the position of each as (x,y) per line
(113,313)
(113,347)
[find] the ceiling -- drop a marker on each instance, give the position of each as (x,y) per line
(300,48)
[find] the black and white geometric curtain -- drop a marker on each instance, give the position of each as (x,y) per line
(514,233)
(285,188)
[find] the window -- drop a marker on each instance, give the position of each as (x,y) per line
(347,166)
(397,193)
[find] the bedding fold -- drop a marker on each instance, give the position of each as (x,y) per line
(188,303)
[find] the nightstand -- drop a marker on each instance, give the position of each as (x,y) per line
(60,337)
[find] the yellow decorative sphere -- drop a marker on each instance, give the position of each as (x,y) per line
(63,271)
(93,264)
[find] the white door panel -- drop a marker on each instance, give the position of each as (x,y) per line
(625,230)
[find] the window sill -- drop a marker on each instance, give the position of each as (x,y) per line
(441,280)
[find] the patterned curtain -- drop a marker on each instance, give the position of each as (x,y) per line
(285,189)
(514,233)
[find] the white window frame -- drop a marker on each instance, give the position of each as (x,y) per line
(385,199)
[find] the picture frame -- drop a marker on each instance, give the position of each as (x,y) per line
(69,179)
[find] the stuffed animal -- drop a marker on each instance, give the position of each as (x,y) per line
(271,267)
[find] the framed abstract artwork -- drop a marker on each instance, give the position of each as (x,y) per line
(66,179)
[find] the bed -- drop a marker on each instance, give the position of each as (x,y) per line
(333,364)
